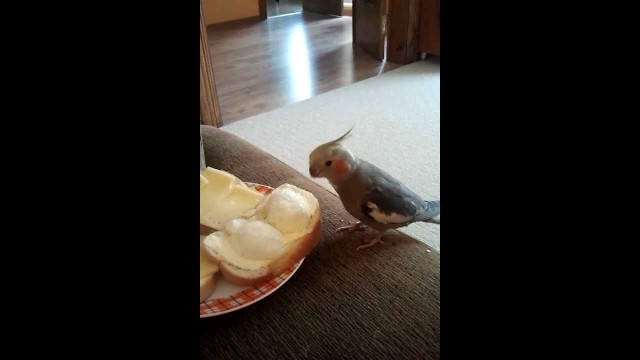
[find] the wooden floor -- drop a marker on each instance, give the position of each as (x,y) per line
(261,66)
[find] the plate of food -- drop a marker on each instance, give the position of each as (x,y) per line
(253,238)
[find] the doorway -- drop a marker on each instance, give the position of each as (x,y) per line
(292,56)
(283,7)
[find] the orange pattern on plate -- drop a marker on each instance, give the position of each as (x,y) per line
(246,296)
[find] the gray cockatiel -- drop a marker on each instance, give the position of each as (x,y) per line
(368,193)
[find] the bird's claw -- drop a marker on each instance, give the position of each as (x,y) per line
(370,243)
(352,227)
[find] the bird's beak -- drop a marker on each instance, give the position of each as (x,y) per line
(313,172)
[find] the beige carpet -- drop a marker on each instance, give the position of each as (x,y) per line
(397,127)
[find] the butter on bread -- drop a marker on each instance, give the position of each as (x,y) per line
(260,236)
(223,197)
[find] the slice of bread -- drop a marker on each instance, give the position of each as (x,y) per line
(208,271)
(207,285)
(291,212)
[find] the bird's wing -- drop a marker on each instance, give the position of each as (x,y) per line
(388,203)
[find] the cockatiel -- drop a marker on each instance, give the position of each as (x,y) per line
(368,193)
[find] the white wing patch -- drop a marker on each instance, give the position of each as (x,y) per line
(391,218)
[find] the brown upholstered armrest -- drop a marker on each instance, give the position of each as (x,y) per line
(382,302)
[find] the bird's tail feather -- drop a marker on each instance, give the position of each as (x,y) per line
(431,212)
(435,220)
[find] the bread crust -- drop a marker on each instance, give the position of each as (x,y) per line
(299,248)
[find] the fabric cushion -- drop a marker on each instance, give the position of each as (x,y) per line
(380,302)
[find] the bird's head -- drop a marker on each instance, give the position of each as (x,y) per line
(332,160)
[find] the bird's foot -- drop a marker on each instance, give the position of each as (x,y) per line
(370,243)
(352,227)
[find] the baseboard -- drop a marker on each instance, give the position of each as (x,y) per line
(238,21)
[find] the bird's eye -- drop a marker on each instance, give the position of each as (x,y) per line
(328,163)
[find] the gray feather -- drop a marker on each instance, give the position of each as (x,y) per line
(370,193)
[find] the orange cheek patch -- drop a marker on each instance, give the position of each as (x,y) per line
(341,166)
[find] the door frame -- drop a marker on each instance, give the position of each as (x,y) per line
(262,5)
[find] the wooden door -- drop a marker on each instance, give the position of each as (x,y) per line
(330,7)
(402,33)
(369,26)
(209,107)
